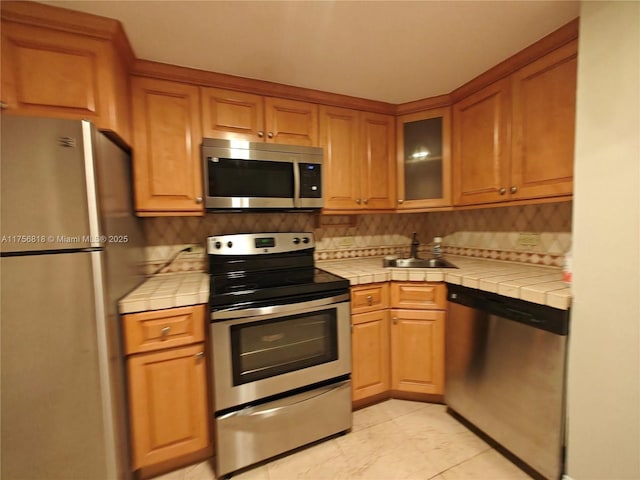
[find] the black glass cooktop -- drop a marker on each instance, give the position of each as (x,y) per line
(272,286)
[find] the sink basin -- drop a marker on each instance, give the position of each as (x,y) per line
(419,263)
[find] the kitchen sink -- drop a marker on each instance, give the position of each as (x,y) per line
(419,263)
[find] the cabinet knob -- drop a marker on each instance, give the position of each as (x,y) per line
(199,355)
(400,201)
(358,201)
(198,200)
(369,299)
(395,320)
(513,189)
(261,134)
(270,134)
(366,201)
(502,191)
(165,331)
(3,105)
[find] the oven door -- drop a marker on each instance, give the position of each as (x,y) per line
(260,352)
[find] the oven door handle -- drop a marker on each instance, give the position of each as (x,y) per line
(230,314)
(285,403)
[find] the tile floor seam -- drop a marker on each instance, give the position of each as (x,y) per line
(465,461)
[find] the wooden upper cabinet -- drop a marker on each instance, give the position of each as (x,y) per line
(53,73)
(481,145)
(167,138)
(424,159)
(543,125)
(291,122)
(339,136)
(514,139)
(358,150)
(232,115)
(245,116)
(378,180)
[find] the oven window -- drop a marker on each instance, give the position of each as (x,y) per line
(264,349)
(250,178)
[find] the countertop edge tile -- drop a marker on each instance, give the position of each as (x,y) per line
(505,278)
(539,284)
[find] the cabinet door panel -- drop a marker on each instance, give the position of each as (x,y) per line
(291,122)
(50,73)
(481,145)
(168,402)
(424,181)
(370,354)
(378,175)
(166,146)
(366,298)
(544,106)
(340,139)
(160,329)
(416,295)
(417,351)
(70,66)
(232,115)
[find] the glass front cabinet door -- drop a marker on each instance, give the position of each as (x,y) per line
(424,159)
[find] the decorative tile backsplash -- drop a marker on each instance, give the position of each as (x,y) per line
(487,233)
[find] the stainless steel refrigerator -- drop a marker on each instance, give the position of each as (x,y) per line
(71,247)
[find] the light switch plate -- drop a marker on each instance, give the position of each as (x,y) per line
(528,239)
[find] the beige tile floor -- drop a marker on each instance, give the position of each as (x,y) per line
(396,439)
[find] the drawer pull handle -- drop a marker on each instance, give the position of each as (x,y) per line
(199,355)
(165,331)
(395,320)
(369,299)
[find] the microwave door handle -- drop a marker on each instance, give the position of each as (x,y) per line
(296,184)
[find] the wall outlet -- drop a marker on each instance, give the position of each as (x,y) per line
(528,239)
(345,242)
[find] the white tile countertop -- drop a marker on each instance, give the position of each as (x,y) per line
(167,291)
(537,284)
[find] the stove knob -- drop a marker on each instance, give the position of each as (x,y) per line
(305,240)
(296,240)
(229,244)
(218,245)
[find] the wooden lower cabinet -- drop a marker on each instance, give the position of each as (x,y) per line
(168,404)
(370,354)
(167,383)
(417,351)
(398,350)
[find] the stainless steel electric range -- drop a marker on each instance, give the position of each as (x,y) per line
(281,347)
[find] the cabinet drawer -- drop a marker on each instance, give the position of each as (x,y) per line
(426,296)
(370,297)
(158,329)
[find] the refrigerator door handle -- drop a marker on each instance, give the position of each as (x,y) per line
(90,178)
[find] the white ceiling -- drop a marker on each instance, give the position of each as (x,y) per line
(391,51)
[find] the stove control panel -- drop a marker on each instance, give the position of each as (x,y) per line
(259,243)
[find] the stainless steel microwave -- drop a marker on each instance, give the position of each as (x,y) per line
(242,175)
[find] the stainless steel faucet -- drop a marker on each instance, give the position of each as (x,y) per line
(414,245)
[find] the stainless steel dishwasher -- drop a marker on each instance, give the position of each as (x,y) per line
(505,373)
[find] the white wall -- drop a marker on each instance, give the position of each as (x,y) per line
(604,356)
